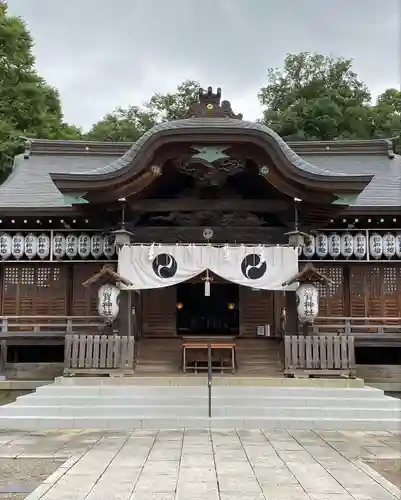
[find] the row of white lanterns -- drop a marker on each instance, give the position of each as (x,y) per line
(349,245)
(71,245)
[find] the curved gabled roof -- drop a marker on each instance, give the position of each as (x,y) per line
(204,125)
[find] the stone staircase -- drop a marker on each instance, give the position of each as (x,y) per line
(182,402)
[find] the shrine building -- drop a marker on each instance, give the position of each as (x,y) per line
(197,231)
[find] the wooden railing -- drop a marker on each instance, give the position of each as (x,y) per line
(358,326)
(99,355)
(319,355)
(49,324)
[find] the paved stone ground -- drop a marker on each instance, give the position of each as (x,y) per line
(208,465)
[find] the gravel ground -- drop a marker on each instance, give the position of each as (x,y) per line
(20,476)
(9,397)
(388,468)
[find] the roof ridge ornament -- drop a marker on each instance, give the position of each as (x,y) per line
(209,106)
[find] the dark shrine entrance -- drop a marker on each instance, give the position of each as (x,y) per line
(216,314)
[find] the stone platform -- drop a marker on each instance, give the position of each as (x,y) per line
(201,465)
(182,402)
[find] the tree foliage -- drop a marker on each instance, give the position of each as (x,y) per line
(123,125)
(28,106)
(174,105)
(322,98)
(128,124)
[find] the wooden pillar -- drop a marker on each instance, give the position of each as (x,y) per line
(124,317)
(292,315)
(3,359)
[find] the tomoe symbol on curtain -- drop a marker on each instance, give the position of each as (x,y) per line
(253,266)
(164,266)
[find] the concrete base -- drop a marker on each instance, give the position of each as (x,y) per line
(34,371)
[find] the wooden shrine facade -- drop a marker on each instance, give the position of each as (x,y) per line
(211,177)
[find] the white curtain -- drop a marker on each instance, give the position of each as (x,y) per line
(158,266)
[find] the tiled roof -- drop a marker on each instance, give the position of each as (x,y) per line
(31,186)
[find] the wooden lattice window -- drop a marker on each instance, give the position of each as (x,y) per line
(331,297)
(34,290)
(375,290)
(391,301)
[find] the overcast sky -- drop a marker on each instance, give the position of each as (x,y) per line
(104,53)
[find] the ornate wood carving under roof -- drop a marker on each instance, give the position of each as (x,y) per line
(210,165)
(209,106)
(209,218)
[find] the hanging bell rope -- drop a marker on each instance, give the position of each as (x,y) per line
(207,279)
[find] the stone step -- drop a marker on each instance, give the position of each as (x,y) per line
(33,400)
(218,381)
(143,411)
(273,423)
(224,391)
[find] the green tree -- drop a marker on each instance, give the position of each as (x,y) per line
(386,116)
(174,105)
(28,106)
(123,125)
(128,124)
(316,97)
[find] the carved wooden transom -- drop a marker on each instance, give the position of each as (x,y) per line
(210,165)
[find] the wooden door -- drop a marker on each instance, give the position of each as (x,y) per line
(159,312)
(255,309)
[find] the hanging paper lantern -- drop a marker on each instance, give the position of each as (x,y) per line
(389,245)
(347,245)
(359,245)
(307,297)
(43,246)
(31,245)
(334,245)
(108,305)
(398,245)
(59,246)
(108,246)
(96,246)
(18,246)
(84,246)
(376,245)
(309,247)
(5,246)
(71,245)
(322,245)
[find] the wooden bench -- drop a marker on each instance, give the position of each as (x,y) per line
(319,356)
(99,355)
(200,354)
